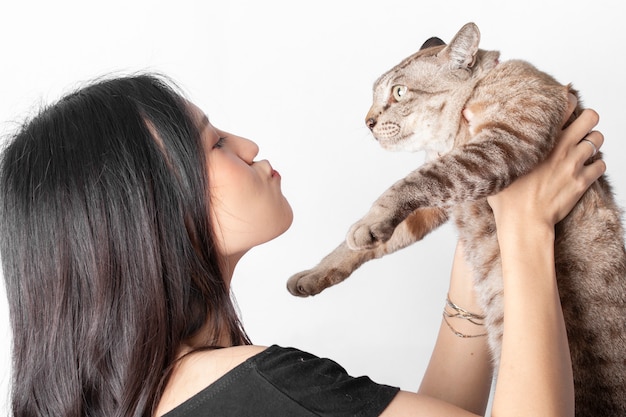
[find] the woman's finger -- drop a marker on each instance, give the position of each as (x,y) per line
(589,146)
(579,128)
(592,172)
(572,101)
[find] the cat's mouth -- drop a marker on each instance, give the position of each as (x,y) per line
(392,139)
(395,143)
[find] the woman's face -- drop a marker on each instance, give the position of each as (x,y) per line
(247,204)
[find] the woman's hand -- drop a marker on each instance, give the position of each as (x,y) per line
(550,191)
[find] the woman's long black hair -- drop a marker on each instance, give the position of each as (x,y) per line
(107,249)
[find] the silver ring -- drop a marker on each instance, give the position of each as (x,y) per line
(595,148)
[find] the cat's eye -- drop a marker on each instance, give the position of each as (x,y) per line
(398,91)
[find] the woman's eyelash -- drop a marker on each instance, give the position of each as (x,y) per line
(220,142)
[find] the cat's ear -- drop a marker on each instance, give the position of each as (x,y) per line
(463,47)
(434,41)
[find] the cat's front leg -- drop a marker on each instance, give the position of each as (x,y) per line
(374,229)
(378,225)
(422,190)
(334,268)
(340,263)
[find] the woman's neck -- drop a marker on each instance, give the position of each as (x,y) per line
(203,338)
(228,266)
(206,335)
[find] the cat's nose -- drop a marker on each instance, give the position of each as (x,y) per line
(371,122)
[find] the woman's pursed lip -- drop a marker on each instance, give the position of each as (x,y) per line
(273,172)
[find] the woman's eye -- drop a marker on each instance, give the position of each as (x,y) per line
(398,92)
(220,142)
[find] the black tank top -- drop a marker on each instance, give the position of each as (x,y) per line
(288,382)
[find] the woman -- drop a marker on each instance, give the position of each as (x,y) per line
(124,214)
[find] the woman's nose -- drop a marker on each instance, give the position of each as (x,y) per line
(248,150)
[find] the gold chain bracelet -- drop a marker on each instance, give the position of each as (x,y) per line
(463,314)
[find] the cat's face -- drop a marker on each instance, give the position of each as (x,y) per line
(417,104)
(407,100)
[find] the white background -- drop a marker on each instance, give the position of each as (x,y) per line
(296,77)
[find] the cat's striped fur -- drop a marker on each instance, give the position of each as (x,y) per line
(518,111)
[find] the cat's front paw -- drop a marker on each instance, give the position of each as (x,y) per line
(366,234)
(313,281)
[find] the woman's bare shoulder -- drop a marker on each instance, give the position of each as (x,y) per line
(407,404)
(198,370)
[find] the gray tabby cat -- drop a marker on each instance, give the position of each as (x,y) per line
(417,106)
